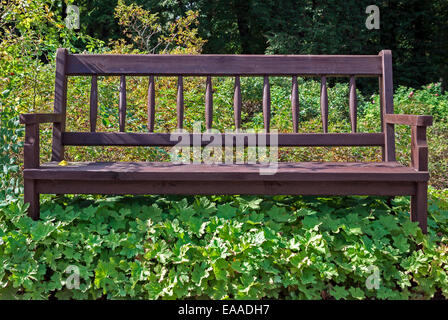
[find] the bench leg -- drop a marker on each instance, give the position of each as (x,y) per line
(32,197)
(419,206)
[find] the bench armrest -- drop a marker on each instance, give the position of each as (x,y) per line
(409,119)
(35,118)
(31,145)
(419,146)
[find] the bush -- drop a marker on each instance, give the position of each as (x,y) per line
(223,247)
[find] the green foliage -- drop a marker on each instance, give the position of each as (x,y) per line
(227,247)
(206,247)
(415,30)
(148,35)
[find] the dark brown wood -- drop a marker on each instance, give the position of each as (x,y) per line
(237,103)
(380,85)
(353,103)
(151,104)
(31,146)
(164,139)
(122,105)
(230,65)
(180,102)
(419,206)
(387,96)
(324,103)
(285,171)
(295,104)
(93,103)
(387,178)
(226,187)
(409,119)
(266,104)
(31,118)
(31,196)
(60,103)
(208,103)
(419,148)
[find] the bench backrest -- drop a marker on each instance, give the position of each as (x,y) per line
(351,66)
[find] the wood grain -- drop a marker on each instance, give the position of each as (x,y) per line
(230,65)
(163,139)
(295,104)
(93,103)
(151,104)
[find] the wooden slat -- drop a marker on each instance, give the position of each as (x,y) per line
(122,105)
(93,103)
(228,187)
(353,103)
(31,146)
(324,103)
(208,103)
(180,102)
(387,92)
(250,139)
(60,103)
(237,103)
(419,206)
(204,65)
(295,104)
(266,104)
(30,118)
(285,171)
(419,148)
(151,104)
(31,196)
(380,90)
(409,119)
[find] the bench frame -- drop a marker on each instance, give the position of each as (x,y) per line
(227,65)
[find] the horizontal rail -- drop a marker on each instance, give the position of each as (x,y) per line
(226,65)
(227,187)
(246,139)
(409,119)
(30,118)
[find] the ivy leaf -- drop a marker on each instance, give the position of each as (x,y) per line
(226,211)
(41,230)
(357,293)
(339,292)
(280,214)
(220,269)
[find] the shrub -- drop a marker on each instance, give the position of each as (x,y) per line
(223,247)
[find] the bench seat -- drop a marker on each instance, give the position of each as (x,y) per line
(286,171)
(302,178)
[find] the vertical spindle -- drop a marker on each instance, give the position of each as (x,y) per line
(93,103)
(324,103)
(151,104)
(122,105)
(208,103)
(266,104)
(353,103)
(295,104)
(237,103)
(180,102)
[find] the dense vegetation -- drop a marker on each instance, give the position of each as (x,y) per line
(208,247)
(416,31)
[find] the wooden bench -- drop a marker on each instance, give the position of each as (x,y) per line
(387,178)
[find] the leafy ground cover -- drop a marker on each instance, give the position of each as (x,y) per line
(215,247)
(224,247)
